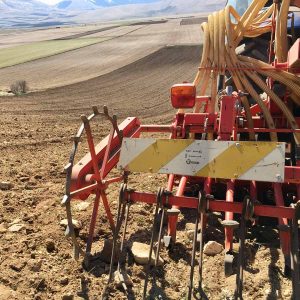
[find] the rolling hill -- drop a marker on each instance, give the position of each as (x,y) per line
(33,13)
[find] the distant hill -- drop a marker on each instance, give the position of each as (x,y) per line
(34,13)
(95,4)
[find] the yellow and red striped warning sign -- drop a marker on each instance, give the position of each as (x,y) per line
(261,161)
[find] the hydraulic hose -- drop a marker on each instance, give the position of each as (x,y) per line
(223,32)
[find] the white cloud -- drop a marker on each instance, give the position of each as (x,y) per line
(51,2)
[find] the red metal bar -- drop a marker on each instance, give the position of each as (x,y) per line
(207,190)
(172,220)
(113,180)
(107,210)
(207,185)
(93,223)
(218,205)
(170,182)
(200,118)
(298,192)
(227,117)
(283,130)
(85,166)
(284,236)
(156,128)
(255,109)
(107,151)
(292,174)
(229,216)
(87,189)
(253,194)
(112,162)
(199,129)
(92,150)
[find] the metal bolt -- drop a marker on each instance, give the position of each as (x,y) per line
(278,176)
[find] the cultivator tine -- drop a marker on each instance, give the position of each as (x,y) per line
(119,272)
(71,232)
(294,229)
(155,221)
(95,110)
(247,214)
(203,210)
(159,237)
(191,284)
(120,216)
(123,211)
(113,121)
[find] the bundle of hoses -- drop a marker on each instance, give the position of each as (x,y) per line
(223,33)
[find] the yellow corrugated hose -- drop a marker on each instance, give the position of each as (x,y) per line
(222,35)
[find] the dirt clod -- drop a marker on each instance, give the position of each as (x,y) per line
(5,185)
(76,224)
(34,265)
(16,227)
(140,253)
(68,297)
(18,265)
(122,278)
(50,245)
(2,228)
(106,252)
(64,281)
(212,248)
(82,206)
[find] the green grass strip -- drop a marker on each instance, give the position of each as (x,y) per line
(28,52)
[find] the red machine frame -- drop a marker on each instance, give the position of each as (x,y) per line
(90,174)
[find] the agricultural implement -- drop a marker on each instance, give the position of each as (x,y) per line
(234,141)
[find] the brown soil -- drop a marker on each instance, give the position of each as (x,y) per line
(13,37)
(36,138)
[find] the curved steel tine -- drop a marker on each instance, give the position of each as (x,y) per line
(121,277)
(84,119)
(71,232)
(151,243)
(294,232)
(201,249)
(95,110)
(117,229)
(203,198)
(247,213)
(124,230)
(166,193)
(115,125)
(105,110)
(190,287)
(159,236)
